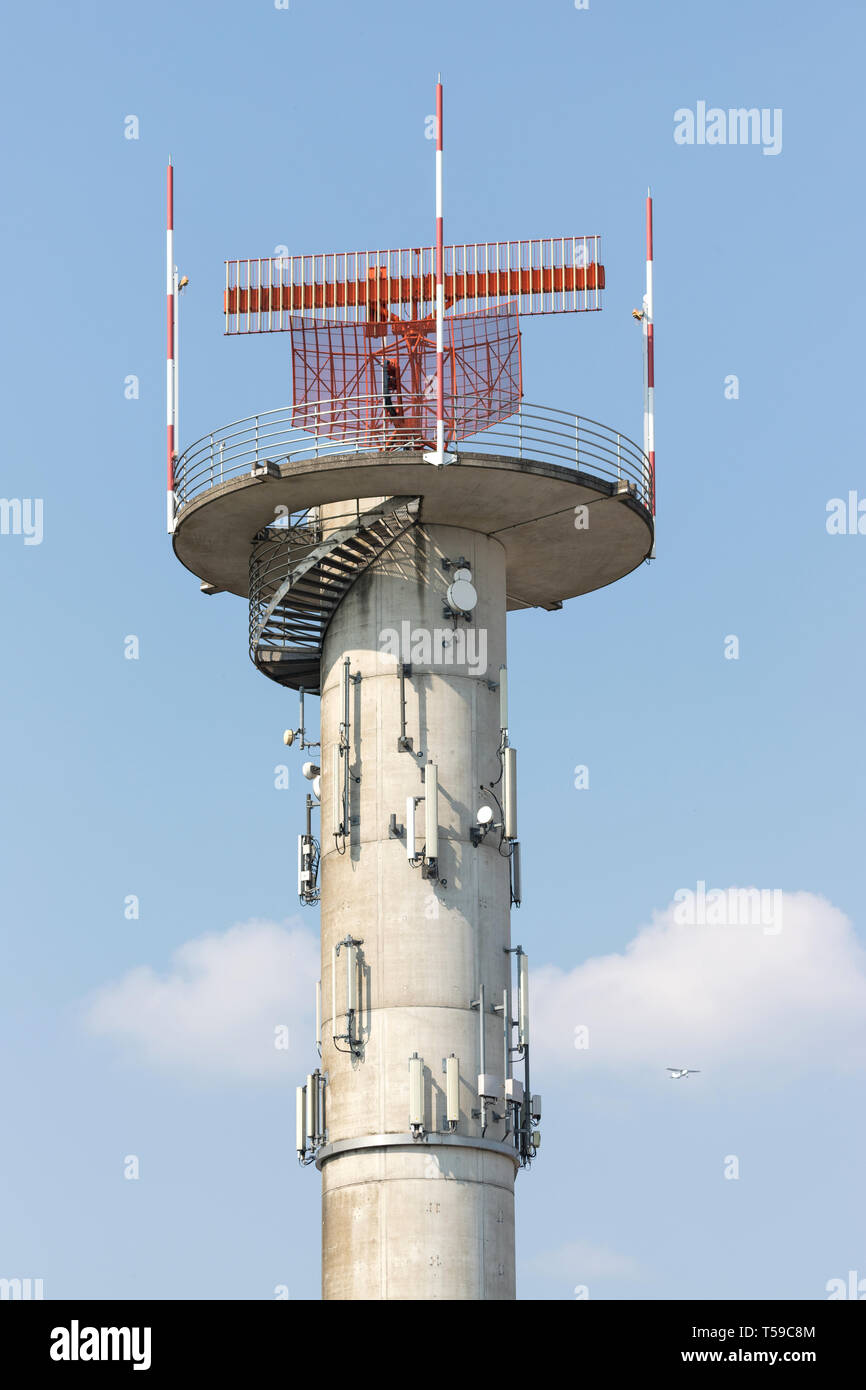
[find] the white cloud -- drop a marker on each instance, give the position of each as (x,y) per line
(725,998)
(216,1009)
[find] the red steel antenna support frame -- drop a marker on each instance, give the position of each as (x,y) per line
(376,380)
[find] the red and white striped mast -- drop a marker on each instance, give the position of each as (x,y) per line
(439,457)
(649,443)
(171,348)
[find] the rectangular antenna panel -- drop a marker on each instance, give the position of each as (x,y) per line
(545,275)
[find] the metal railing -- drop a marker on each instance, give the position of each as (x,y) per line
(362,426)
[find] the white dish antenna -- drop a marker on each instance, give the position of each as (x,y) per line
(461,595)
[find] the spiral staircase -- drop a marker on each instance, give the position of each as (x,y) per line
(298,575)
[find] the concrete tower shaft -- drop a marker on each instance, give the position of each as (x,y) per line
(346,557)
(431,1217)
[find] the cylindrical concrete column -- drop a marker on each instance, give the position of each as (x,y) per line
(408,1218)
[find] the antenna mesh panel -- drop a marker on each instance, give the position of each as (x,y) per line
(376,383)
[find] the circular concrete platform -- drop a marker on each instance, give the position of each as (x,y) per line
(553,551)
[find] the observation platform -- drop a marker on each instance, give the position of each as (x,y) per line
(520,481)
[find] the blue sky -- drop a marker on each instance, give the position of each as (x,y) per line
(155,777)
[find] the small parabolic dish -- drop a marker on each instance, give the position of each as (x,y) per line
(461,596)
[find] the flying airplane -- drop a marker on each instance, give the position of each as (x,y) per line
(677,1073)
